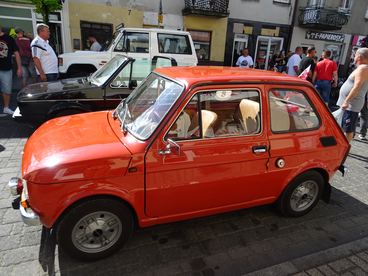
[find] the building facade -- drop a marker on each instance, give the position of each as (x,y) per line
(261,26)
(331,25)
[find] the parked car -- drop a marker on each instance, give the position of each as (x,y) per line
(188,142)
(101,91)
(137,43)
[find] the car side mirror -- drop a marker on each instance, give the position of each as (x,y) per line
(169,147)
(133,84)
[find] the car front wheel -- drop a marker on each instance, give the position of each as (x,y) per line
(95,229)
(301,195)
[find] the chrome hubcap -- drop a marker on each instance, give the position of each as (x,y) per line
(96,232)
(304,196)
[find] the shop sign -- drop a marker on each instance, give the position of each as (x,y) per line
(325,36)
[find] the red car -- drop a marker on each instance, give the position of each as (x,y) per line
(188,142)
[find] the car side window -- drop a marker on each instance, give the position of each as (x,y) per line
(141,68)
(290,111)
(174,44)
(133,43)
(219,113)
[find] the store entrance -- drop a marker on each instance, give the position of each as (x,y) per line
(240,42)
(265,49)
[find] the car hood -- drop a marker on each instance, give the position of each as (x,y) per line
(81,54)
(44,89)
(72,148)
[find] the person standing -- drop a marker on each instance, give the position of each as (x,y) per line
(353,93)
(8,47)
(24,46)
(245,60)
(325,76)
(307,61)
(95,46)
(44,56)
(293,62)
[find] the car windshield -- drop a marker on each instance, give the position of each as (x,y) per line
(146,107)
(103,74)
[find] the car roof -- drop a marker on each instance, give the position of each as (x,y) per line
(156,30)
(207,74)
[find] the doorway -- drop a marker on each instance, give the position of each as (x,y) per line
(102,32)
(266,48)
(240,42)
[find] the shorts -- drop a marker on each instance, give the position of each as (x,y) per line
(6,81)
(349,121)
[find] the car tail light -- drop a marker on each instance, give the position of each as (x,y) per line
(60,60)
(16,185)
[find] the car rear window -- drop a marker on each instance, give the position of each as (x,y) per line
(291,111)
(174,44)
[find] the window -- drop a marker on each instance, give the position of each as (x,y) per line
(282,1)
(133,43)
(102,32)
(346,4)
(316,3)
(174,44)
(202,43)
(222,113)
(291,111)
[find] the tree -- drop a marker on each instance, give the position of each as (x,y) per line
(45,7)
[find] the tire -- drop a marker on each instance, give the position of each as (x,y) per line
(301,195)
(95,229)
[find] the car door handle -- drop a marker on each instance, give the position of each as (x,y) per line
(259,149)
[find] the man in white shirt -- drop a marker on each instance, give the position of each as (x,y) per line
(245,60)
(294,62)
(44,56)
(95,46)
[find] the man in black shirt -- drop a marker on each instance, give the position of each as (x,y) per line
(308,60)
(8,47)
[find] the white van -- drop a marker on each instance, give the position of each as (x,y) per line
(143,44)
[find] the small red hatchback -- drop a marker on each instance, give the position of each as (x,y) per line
(188,142)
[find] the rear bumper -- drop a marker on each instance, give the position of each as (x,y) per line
(29,217)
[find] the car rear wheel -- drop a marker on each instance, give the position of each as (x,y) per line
(95,229)
(301,195)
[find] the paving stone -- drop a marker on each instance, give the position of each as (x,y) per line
(31,238)
(359,262)
(326,270)
(314,272)
(19,255)
(11,216)
(5,229)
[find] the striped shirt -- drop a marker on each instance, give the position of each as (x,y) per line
(43,51)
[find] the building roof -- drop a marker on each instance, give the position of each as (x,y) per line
(199,74)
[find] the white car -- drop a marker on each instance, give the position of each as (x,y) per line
(144,44)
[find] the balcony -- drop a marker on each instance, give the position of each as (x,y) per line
(322,18)
(217,8)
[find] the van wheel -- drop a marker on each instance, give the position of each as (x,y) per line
(95,229)
(301,195)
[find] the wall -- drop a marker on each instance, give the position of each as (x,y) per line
(218,27)
(262,11)
(106,14)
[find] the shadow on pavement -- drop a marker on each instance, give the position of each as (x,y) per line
(232,243)
(12,129)
(359,157)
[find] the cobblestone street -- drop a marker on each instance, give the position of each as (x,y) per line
(331,240)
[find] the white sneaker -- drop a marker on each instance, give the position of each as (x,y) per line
(361,137)
(7,110)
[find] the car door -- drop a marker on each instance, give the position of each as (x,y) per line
(295,136)
(218,154)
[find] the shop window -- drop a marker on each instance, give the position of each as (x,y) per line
(202,43)
(16,12)
(290,111)
(174,44)
(102,32)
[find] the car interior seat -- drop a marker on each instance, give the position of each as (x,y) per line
(280,119)
(208,120)
(249,110)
